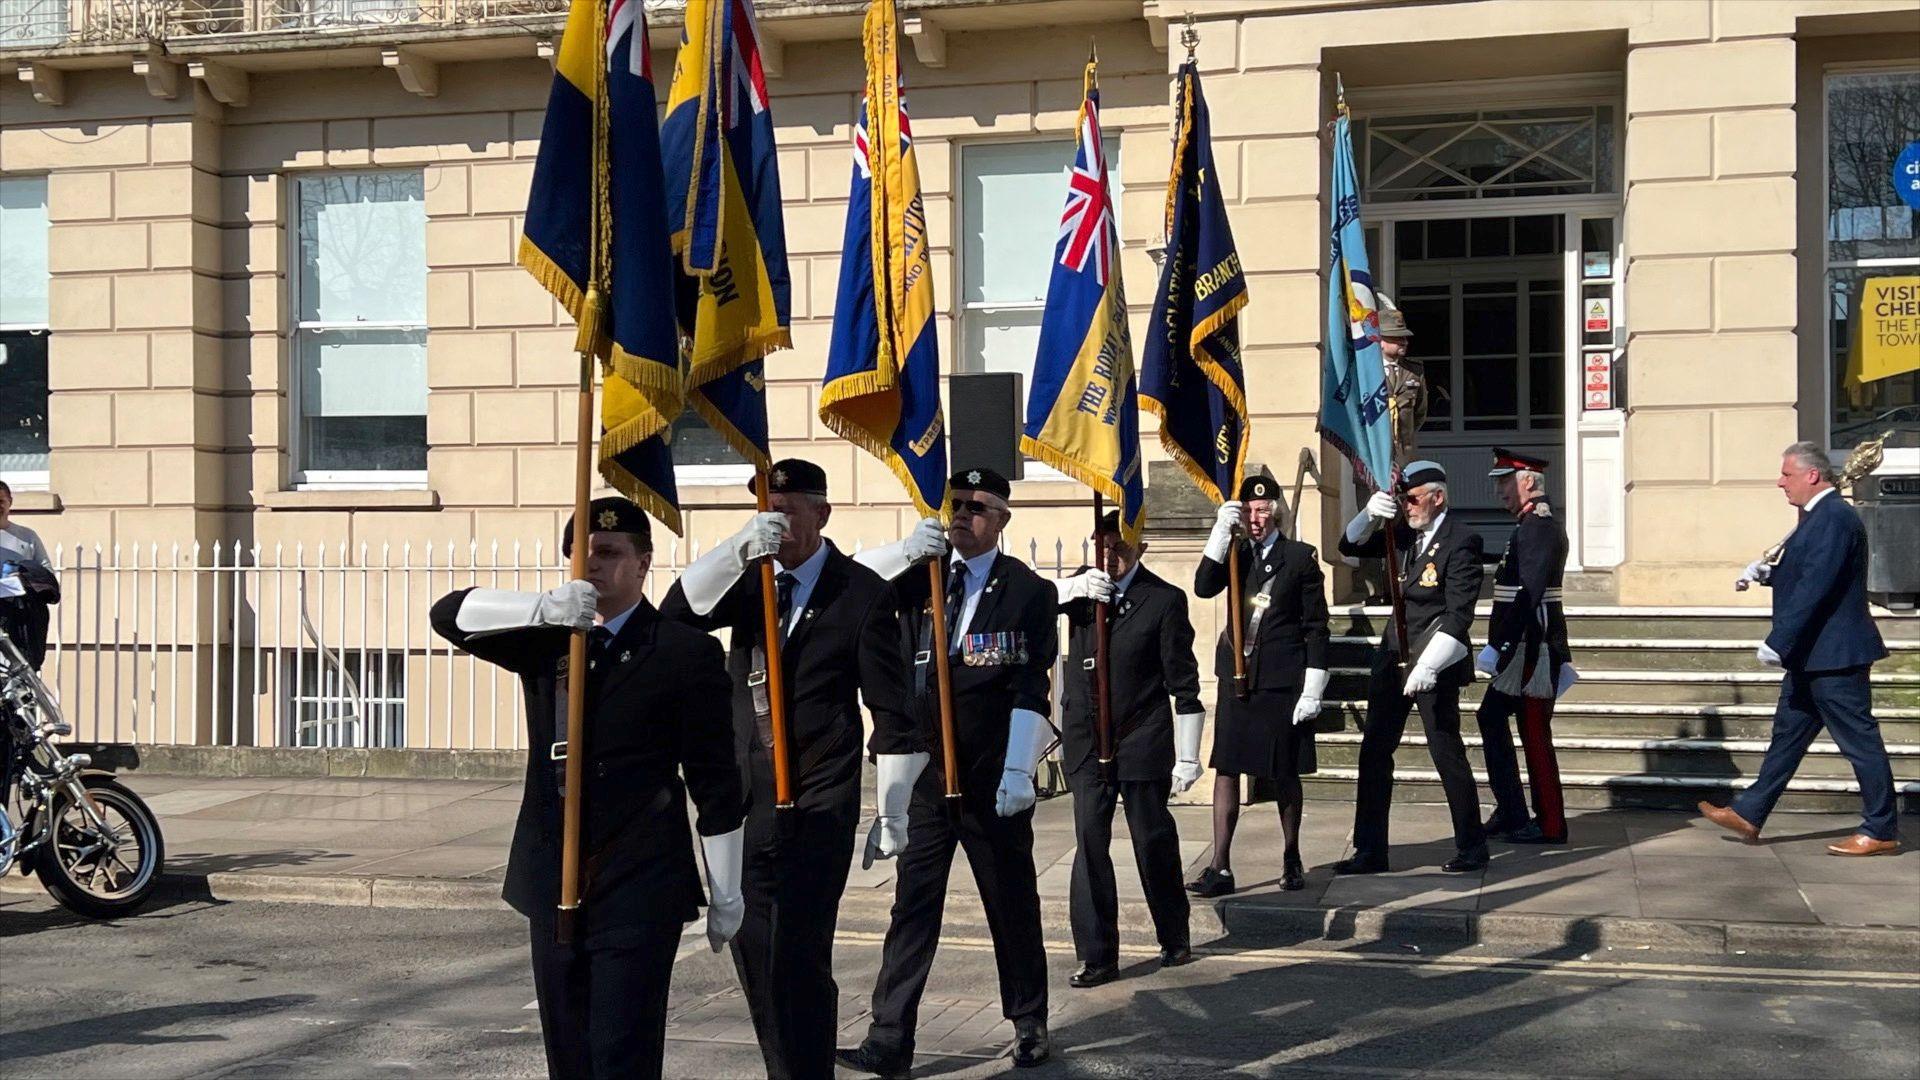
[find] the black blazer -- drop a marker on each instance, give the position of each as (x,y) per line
(1820,616)
(1526,582)
(1015,600)
(844,647)
(656,709)
(1293,632)
(1440,583)
(1150,658)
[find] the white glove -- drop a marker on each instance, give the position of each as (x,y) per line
(1383,506)
(898,774)
(1568,676)
(726,908)
(1225,521)
(1758,572)
(1488,659)
(1767,655)
(490,611)
(1186,741)
(1441,653)
(706,581)
(1025,729)
(1095,585)
(928,540)
(1312,690)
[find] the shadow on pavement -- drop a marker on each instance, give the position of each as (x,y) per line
(136,1027)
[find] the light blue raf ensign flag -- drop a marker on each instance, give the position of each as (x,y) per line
(1353,385)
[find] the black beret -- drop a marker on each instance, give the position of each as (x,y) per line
(1109,523)
(1259,486)
(614,513)
(793,476)
(1420,474)
(981,480)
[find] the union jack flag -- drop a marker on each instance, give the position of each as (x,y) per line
(860,138)
(750,76)
(1087,223)
(623,16)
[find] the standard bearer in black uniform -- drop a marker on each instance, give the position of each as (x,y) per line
(840,644)
(1153,687)
(1440,576)
(656,701)
(1283,613)
(1001,620)
(1527,657)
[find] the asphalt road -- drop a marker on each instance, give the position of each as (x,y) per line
(259,990)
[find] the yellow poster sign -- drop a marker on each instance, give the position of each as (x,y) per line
(1886,333)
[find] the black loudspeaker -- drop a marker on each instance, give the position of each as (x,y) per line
(985,421)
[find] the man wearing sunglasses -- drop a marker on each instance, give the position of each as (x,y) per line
(1440,575)
(1001,635)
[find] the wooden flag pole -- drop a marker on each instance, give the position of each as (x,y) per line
(943,673)
(1102,689)
(1235,623)
(776,673)
(576,743)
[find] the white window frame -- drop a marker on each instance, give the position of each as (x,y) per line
(1898,459)
(300,479)
(32,479)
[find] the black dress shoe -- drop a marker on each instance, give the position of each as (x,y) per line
(1530,833)
(1503,824)
(1031,1045)
(1179,956)
(867,1058)
(1293,877)
(1362,864)
(1467,862)
(1211,883)
(1090,976)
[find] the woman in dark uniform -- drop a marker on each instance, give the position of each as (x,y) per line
(1283,610)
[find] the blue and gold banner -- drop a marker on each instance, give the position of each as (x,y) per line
(1190,368)
(1083,409)
(596,219)
(723,205)
(1354,414)
(882,386)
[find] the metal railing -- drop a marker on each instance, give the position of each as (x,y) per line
(313,646)
(45,23)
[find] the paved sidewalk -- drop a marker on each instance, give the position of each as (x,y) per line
(1631,877)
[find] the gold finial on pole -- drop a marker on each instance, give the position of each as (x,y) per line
(1339,94)
(1189,36)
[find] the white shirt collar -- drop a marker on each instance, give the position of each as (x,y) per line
(978,567)
(809,569)
(1126,580)
(1432,527)
(1815,501)
(614,624)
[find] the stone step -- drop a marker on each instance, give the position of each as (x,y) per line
(1648,654)
(1890,689)
(1627,720)
(1335,783)
(1746,624)
(1656,757)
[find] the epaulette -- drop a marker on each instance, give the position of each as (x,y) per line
(1542,509)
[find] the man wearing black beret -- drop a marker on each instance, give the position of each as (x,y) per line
(1001,620)
(656,714)
(839,646)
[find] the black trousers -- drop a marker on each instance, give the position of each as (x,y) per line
(1000,851)
(1842,702)
(1497,710)
(1095,906)
(795,873)
(603,1001)
(1387,710)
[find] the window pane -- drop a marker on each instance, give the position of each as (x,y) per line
(1491,396)
(1871,117)
(696,443)
(1489,324)
(23,250)
(1546,385)
(1536,234)
(1884,404)
(1005,342)
(363,255)
(23,401)
(363,400)
(1491,154)
(1011,198)
(1545,317)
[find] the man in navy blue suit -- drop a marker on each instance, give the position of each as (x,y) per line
(1824,638)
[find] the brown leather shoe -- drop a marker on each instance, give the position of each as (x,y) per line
(1860,844)
(1730,821)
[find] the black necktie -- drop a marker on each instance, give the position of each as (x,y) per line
(599,640)
(784,586)
(956,597)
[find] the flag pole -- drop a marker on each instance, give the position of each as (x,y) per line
(1102,687)
(943,673)
(1235,622)
(772,633)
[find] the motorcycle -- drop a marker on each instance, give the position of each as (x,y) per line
(94,844)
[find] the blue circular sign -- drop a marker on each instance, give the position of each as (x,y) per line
(1906,175)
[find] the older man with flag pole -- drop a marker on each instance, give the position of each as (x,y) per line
(605,902)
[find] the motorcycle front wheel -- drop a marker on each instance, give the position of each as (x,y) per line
(101,874)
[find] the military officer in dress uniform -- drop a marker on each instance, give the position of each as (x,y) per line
(656,713)
(1440,581)
(840,645)
(1406,379)
(1153,689)
(1001,627)
(1526,655)
(1283,613)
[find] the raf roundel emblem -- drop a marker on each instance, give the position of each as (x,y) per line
(608,519)
(973,477)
